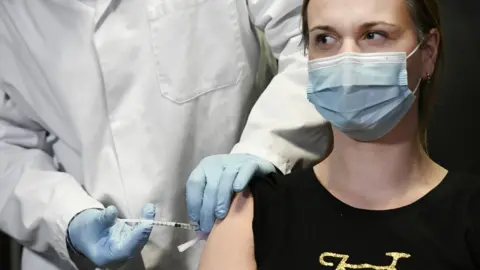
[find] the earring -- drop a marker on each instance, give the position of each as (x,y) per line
(428,77)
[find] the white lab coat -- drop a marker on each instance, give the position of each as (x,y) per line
(114,102)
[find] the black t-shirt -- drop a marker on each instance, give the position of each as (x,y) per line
(298,224)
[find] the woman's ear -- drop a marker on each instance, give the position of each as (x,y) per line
(430,51)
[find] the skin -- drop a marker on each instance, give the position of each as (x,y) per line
(395,165)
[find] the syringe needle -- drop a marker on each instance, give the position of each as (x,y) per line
(174,224)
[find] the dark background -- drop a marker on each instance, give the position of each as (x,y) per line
(453,132)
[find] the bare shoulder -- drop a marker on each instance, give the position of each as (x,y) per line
(230,244)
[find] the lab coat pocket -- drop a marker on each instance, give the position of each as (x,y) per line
(196,45)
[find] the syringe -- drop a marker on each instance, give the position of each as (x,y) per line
(174,224)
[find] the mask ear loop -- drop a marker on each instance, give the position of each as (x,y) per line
(418,85)
(412,53)
(415,50)
(427,80)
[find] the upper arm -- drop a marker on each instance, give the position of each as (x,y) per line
(230,245)
(280,21)
(283,127)
(16,128)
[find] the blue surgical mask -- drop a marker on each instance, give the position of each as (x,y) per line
(364,95)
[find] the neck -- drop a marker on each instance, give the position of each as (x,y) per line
(371,174)
(374,163)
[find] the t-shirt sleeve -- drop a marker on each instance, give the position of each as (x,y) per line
(267,220)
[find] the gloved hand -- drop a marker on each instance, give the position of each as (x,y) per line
(212,182)
(98,236)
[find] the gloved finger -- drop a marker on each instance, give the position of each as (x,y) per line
(143,230)
(246,173)
(207,211)
(137,239)
(108,217)
(149,211)
(225,191)
(196,184)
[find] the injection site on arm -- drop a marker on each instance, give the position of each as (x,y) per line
(230,244)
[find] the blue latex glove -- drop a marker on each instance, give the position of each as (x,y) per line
(212,182)
(97,235)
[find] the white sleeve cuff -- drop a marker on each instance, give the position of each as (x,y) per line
(70,200)
(281,163)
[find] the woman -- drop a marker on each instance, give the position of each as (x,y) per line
(377,201)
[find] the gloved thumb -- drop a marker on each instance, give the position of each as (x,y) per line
(108,217)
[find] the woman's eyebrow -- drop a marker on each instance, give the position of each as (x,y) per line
(366,25)
(326,28)
(376,23)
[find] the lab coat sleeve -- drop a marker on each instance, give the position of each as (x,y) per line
(283,127)
(36,201)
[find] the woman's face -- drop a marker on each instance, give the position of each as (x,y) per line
(368,26)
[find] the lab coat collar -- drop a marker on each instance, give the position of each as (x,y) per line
(102,9)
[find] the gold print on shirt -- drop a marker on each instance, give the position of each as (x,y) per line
(343,265)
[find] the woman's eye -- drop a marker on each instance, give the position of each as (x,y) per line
(324,42)
(324,39)
(375,36)
(375,39)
